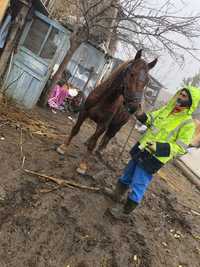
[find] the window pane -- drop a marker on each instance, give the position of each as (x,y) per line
(51,44)
(36,35)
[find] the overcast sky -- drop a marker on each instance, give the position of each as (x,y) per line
(174,75)
(167,72)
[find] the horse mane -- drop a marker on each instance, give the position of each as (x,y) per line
(103,86)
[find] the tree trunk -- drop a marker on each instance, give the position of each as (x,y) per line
(74,44)
(3,7)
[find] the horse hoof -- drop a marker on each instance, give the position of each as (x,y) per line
(82,169)
(61,149)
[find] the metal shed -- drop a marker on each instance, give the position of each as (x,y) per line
(86,67)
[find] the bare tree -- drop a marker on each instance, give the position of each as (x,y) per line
(89,13)
(156,29)
(194,80)
(159,29)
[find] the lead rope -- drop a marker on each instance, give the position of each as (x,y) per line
(127,139)
(130,133)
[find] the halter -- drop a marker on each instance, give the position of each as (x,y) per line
(132,96)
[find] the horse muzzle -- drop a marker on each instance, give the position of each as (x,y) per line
(132,101)
(131,107)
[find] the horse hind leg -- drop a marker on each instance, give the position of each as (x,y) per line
(76,128)
(88,141)
(104,142)
(109,134)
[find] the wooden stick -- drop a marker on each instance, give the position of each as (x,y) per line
(195,212)
(23,161)
(21,143)
(22,157)
(62,182)
(49,190)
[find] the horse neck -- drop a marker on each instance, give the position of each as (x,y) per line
(111,94)
(109,89)
(112,88)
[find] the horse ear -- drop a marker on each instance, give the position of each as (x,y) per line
(152,64)
(138,54)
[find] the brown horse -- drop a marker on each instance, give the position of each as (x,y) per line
(122,89)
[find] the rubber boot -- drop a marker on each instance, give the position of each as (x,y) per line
(123,212)
(129,206)
(118,192)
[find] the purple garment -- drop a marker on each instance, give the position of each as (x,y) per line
(57,97)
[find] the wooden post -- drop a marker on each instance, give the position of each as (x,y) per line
(10,44)
(91,72)
(3,7)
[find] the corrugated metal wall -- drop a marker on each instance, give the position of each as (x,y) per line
(85,59)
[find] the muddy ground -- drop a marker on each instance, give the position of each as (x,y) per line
(42,225)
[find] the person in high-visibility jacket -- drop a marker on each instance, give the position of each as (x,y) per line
(170,131)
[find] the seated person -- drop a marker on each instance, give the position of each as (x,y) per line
(58,95)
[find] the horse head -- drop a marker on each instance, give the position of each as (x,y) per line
(135,79)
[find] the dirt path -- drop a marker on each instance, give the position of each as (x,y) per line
(69,227)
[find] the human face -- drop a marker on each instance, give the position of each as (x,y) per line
(183,99)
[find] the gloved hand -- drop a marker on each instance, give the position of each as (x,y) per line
(141,116)
(151,146)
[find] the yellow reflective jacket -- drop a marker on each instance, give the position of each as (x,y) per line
(173,131)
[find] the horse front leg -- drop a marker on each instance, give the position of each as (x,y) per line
(83,166)
(90,141)
(76,128)
(118,121)
(109,134)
